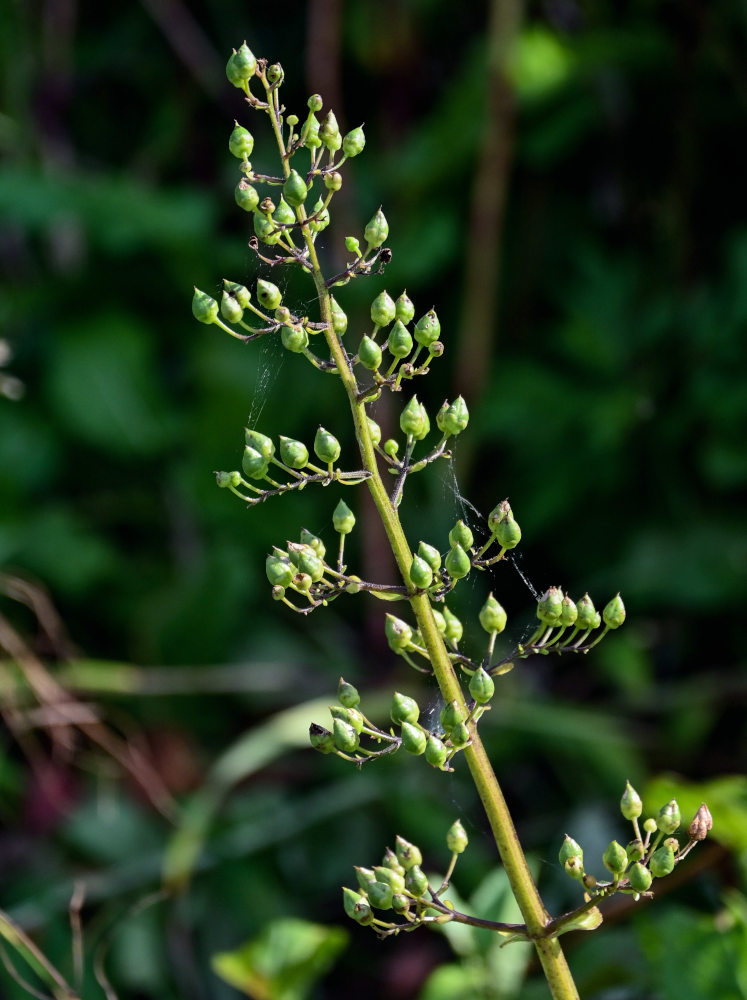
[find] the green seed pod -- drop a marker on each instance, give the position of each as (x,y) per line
(333,180)
(669,817)
(275,74)
(265,230)
(662,861)
(459,735)
(451,715)
(309,562)
(292,120)
(492,616)
(390,860)
(326,446)
(391,447)
(439,620)
(407,854)
(508,533)
(639,878)
(399,342)
(412,419)
(374,430)
(329,132)
(550,606)
(294,454)
(456,838)
(635,850)
(225,479)
(568,613)
(339,318)
(455,418)
(321,217)
(253,464)
(346,738)
(240,292)
(350,715)
(283,315)
(279,570)
(416,882)
(343,518)
(376,230)
(302,582)
(586,612)
(284,213)
(352,245)
(295,339)
(310,132)
(315,102)
(353,142)
(614,613)
(382,309)
(575,868)
(427,328)
(404,309)
(460,534)
(631,805)
(435,752)
(204,308)
(351,899)
(245,195)
(398,634)
(260,442)
(436,349)
(365,877)
(230,309)
(673,843)
(294,189)
(269,295)
(431,555)
(380,895)
(457,562)
(413,739)
(307,538)
(454,628)
(241,142)
(615,858)
(403,709)
(347,694)
(241,66)
(421,573)
(649,825)
(498,514)
(321,739)
(400,903)
(481,686)
(369,354)
(391,876)
(570,849)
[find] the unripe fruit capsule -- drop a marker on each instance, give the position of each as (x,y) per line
(456,838)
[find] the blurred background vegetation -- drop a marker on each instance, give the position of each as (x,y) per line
(565,182)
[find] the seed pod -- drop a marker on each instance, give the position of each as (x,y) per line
(702,822)
(204,308)
(459,735)
(614,613)
(635,850)
(586,613)
(649,825)
(326,446)
(390,860)
(352,245)
(435,752)
(365,877)
(456,838)
(454,629)
(265,229)
(275,74)
(294,454)
(412,419)
(398,634)
(497,514)
(241,66)
(404,309)
(431,555)
(391,876)
(310,133)
(439,620)
(245,195)
(639,877)
(457,562)
(230,310)
(302,582)
(241,142)
(339,318)
(240,292)
(374,430)
(321,739)
(294,339)
(369,354)
(550,605)
(631,805)
(421,573)
(413,739)
(279,570)
(460,534)
(333,180)
(225,479)
(403,709)
(481,686)
(314,542)
(321,217)
(382,309)
(407,854)
(570,849)
(662,861)
(455,418)
(260,442)
(399,342)
(416,882)
(376,230)
(295,190)
(568,612)
(427,328)
(353,142)
(284,213)
(343,519)
(669,817)
(346,738)
(309,562)
(391,447)
(508,533)
(492,616)
(315,102)
(269,295)
(253,464)
(329,132)
(380,895)
(400,903)
(615,858)
(347,694)
(351,900)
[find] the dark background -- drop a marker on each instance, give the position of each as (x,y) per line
(565,183)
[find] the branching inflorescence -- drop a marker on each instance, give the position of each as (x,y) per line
(388,355)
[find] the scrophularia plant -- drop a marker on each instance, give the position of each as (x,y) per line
(288,210)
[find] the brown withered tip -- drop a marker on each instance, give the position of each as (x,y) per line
(701,824)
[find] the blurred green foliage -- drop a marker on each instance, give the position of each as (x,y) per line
(613,413)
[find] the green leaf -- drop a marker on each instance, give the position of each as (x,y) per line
(284,961)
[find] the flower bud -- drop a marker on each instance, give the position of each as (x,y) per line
(391,447)
(398,634)
(460,534)
(245,195)
(421,573)
(435,752)
(339,318)
(492,616)
(333,180)
(662,861)
(615,858)
(241,66)
(412,419)
(260,442)
(399,342)
(353,142)
(377,229)
(404,309)
(407,854)
(631,805)
(456,838)
(701,824)
(451,715)
(326,446)
(413,739)
(639,877)
(669,817)
(459,735)
(649,825)
(294,189)
(403,709)
(427,328)
(204,308)
(294,454)
(321,739)
(550,606)
(455,417)
(586,613)
(454,629)
(253,464)
(268,294)
(481,686)
(345,736)
(382,309)
(294,339)
(457,562)
(241,142)
(380,895)
(275,74)
(279,570)
(508,533)
(347,694)
(329,132)
(230,309)
(431,555)
(369,354)
(416,881)
(352,245)
(614,613)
